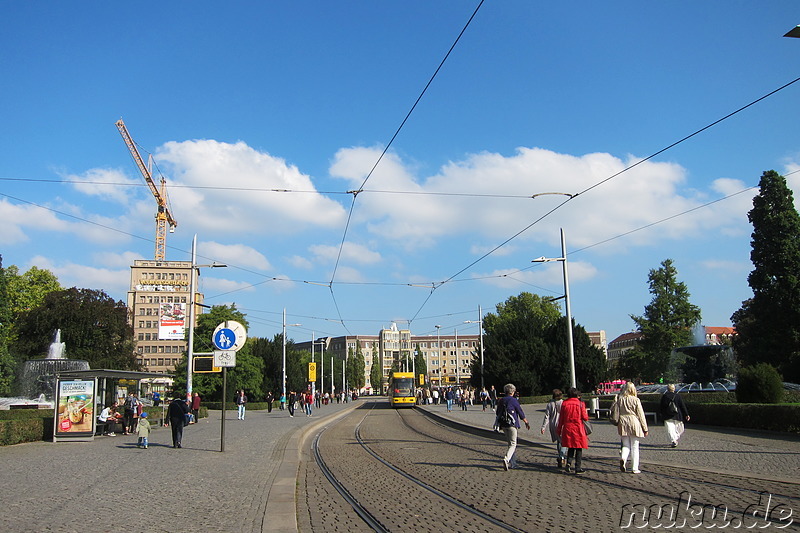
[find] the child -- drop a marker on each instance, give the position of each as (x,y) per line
(143,431)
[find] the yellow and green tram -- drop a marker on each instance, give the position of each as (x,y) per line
(402,392)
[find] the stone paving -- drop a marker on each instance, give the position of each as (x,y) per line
(110,485)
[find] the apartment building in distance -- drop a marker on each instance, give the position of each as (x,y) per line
(158,310)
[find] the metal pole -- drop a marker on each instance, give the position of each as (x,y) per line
(439,352)
(190,348)
(224,396)
(569,312)
(284,355)
(458,370)
(313,383)
(480,325)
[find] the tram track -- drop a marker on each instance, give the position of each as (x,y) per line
(415,490)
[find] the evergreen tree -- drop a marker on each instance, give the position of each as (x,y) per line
(355,368)
(376,373)
(516,344)
(420,364)
(666,324)
(768,324)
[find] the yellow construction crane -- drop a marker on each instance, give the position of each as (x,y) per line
(163,216)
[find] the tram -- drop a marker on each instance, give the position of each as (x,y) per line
(401,390)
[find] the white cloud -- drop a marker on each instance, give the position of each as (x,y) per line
(502,206)
(115,283)
(300,262)
(105,183)
(351,252)
(235,254)
(116,260)
(245,204)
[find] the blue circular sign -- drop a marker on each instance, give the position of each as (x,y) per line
(224,339)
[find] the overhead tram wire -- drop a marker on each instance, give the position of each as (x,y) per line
(388,145)
(601,182)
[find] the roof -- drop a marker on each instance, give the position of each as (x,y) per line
(633,335)
(112,374)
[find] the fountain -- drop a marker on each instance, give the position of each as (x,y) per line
(37,380)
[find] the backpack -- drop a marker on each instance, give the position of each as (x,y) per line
(504,417)
(672,408)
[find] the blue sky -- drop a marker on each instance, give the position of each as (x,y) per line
(240,100)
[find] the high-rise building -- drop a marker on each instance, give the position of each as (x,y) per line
(158,310)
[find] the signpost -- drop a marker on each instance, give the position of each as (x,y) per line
(228,338)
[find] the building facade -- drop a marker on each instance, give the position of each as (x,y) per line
(158,305)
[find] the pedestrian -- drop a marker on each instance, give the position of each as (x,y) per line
(142,431)
(195,407)
(509,404)
(571,429)
(551,414)
(674,414)
(283,401)
(241,401)
(628,413)
(435,396)
(493,397)
(130,405)
(484,398)
(156,399)
(448,397)
(292,400)
(309,400)
(270,399)
(176,414)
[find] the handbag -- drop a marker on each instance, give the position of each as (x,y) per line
(587,427)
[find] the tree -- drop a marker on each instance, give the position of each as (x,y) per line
(590,361)
(376,373)
(516,349)
(768,324)
(355,368)
(666,324)
(7,363)
(93,326)
(26,292)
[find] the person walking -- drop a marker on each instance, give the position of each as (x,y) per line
(551,414)
(291,402)
(509,404)
(130,405)
(195,408)
(572,431)
(674,414)
(448,396)
(241,401)
(493,397)
(176,413)
(628,413)
(142,431)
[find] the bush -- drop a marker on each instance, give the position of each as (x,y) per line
(760,383)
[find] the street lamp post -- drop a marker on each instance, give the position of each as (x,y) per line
(284,350)
(563,260)
(192,304)
(480,327)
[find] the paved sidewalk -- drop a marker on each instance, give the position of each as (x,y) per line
(710,449)
(111,485)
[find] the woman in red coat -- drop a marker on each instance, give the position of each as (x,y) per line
(571,430)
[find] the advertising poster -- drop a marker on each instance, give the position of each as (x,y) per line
(75,408)
(171,321)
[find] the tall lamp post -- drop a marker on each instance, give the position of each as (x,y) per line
(284,350)
(563,260)
(192,304)
(480,327)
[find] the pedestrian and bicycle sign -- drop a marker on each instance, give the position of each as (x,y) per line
(229,336)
